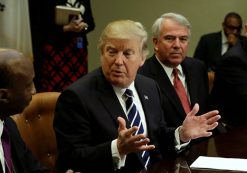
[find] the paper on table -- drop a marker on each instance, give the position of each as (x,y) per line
(233,164)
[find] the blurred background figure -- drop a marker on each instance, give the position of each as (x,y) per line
(229,93)
(212,46)
(60,51)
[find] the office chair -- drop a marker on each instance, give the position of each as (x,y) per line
(35,125)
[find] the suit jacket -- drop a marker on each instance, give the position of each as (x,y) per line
(229,93)
(197,82)
(209,49)
(22,158)
(86,123)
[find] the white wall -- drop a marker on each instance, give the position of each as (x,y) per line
(205,16)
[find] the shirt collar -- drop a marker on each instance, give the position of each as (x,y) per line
(223,38)
(120,91)
(169,70)
(1,127)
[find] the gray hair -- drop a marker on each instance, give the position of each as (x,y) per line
(124,29)
(180,19)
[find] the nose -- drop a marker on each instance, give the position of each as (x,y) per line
(177,43)
(119,59)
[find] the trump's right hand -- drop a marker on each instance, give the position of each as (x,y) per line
(127,142)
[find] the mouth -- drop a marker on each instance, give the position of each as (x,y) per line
(117,73)
(176,54)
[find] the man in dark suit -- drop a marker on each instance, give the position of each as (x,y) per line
(16,90)
(212,46)
(92,129)
(171,34)
(229,93)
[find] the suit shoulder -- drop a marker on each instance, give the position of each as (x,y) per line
(86,81)
(194,61)
(210,36)
(149,63)
(145,80)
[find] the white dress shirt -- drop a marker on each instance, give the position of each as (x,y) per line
(1,148)
(224,43)
(170,75)
(118,160)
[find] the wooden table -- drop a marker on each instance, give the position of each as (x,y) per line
(231,145)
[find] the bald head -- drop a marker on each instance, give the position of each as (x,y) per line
(12,65)
(16,81)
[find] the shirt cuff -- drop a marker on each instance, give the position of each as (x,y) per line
(118,161)
(178,145)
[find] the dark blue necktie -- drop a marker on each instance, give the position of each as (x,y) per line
(135,120)
(7,150)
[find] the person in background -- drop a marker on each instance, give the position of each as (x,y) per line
(212,46)
(94,124)
(171,36)
(60,50)
(229,93)
(16,90)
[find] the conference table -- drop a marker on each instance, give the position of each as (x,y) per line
(232,144)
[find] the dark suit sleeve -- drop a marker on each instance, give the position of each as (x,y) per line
(201,48)
(229,93)
(78,143)
(22,157)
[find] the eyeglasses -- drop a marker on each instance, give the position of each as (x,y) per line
(230,27)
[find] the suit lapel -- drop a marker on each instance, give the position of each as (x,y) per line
(145,96)
(218,44)
(166,87)
(110,101)
(191,84)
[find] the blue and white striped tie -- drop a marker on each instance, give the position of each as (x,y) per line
(135,120)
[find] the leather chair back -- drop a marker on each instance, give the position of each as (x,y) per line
(35,125)
(210,80)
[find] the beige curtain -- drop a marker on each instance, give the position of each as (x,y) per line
(15,26)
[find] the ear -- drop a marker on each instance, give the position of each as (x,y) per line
(143,60)
(155,41)
(4,95)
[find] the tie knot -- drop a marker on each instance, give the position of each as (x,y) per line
(128,93)
(175,72)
